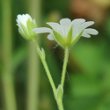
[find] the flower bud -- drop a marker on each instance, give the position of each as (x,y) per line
(25,26)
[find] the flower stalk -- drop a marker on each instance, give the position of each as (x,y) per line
(61,86)
(33,78)
(41,54)
(64,66)
(60,106)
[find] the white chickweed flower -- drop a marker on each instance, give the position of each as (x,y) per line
(67,32)
(25,26)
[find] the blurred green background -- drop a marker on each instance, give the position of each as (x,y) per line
(23,82)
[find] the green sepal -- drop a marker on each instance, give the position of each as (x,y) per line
(24,32)
(64,41)
(75,39)
(69,38)
(59,39)
(31,25)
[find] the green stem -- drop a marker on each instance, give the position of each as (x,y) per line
(66,55)
(60,106)
(58,93)
(33,79)
(47,71)
(64,66)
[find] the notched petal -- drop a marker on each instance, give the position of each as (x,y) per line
(65,21)
(91,31)
(86,35)
(87,24)
(78,21)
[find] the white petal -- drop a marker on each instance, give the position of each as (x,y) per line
(88,32)
(65,21)
(91,31)
(78,21)
(54,26)
(22,19)
(28,16)
(57,27)
(86,35)
(76,31)
(77,26)
(66,25)
(18,20)
(50,37)
(42,30)
(87,24)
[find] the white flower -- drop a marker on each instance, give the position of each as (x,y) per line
(25,26)
(67,32)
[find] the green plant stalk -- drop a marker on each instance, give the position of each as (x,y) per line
(47,71)
(7,76)
(64,66)
(60,105)
(33,79)
(49,76)
(34,8)
(66,56)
